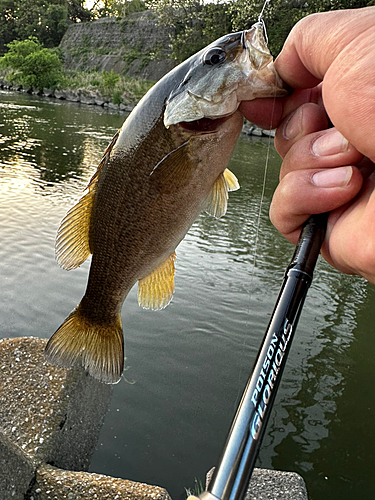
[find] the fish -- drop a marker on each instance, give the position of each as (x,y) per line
(166,165)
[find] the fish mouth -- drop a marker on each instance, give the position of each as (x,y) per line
(204,125)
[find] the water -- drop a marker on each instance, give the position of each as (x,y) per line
(187,365)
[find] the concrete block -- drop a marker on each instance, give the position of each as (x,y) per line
(55,484)
(268,484)
(52,415)
(17,471)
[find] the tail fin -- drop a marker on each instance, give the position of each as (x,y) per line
(98,348)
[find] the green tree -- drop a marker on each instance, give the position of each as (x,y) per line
(281,15)
(195,23)
(45,19)
(116,8)
(32,64)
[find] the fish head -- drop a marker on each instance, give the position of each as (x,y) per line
(234,68)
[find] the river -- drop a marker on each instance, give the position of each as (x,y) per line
(186,366)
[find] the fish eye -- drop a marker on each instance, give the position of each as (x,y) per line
(214,56)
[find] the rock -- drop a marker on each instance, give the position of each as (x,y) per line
(55,484)
(247,130)
(257,132)
(72,96)
(85,99)
(127,107)
(60,94)
(269,133)
(48,93)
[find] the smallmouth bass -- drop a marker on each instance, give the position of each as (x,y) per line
(165,165)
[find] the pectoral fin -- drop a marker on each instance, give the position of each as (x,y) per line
(174,171)
(72,243)
(156,290)
(217,200)
(231,180)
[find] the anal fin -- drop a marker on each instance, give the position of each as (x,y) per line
(155,291)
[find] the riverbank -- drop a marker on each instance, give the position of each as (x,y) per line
(95,98)
(125,103)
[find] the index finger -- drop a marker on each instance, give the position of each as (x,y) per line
(269,112)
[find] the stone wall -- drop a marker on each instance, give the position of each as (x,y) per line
(135,45)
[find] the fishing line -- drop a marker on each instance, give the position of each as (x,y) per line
(257,230)
(252,274)
(261,20)
(262,195)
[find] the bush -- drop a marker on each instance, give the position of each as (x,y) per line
(32,64)
(110,79)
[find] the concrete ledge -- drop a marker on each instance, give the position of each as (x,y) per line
(56,484)
(17,470)
(274,485)
(53,415)
(268,484)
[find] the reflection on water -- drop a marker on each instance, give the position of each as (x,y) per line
(187,365)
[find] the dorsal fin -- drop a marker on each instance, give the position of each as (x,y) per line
(72,243)
(156,290)
(217,200)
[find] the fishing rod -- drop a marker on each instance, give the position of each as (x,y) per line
(232,475)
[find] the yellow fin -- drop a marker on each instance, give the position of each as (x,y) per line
(72,243)
(156,290)
(217,200)
(231,180)
(98,348)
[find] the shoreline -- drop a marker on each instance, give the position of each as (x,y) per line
(92,98)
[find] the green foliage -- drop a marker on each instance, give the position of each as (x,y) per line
(110,80)
(116,97)
(197,23)
(117,8)
(45,19)
(32,64)
(196,490)
(126,89)
(131,53)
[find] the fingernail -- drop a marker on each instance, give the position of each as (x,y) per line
(334,177)
(293,126)
(329,144)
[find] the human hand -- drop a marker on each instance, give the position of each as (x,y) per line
(331,56)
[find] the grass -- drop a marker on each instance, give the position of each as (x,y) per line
(196,490)
(121,88)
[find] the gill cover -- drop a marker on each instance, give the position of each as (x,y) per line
(234,68)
